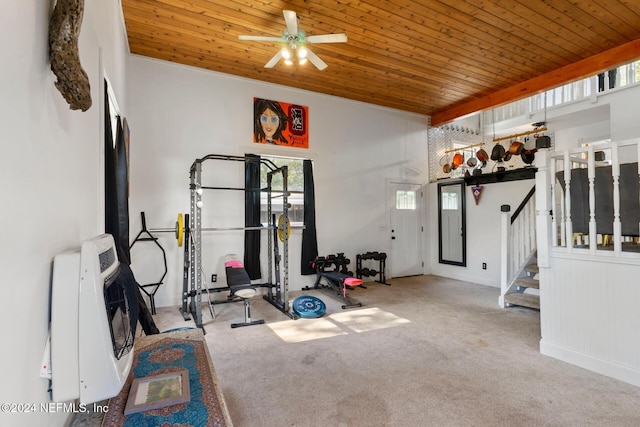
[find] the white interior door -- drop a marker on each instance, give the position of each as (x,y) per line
(405,258)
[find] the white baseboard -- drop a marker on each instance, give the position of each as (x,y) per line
(590,363)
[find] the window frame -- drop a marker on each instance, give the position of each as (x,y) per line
(295,198)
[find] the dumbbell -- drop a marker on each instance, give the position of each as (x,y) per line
(318,263)
(341,258)
(330,260)
(367,272)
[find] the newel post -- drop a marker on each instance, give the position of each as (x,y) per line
(505,222)
(543,207)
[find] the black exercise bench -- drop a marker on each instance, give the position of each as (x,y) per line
(338,280)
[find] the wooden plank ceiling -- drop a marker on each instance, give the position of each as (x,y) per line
(444,58)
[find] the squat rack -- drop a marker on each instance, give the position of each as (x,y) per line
(277,293)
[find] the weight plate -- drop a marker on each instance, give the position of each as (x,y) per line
(180,229)
(308,306)
(284,228)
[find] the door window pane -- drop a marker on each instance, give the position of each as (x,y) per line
(405,199)
(449,201)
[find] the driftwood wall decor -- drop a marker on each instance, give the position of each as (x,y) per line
(64,30)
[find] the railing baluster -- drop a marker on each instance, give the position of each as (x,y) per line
(591,174)
(567,202)
(617,225)
(554,213)
(504,252)
(638,145)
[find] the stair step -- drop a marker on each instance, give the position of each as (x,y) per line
(528,282)
(532,268)
(523,300)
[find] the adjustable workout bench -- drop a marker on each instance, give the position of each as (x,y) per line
(338,280)
(240,285)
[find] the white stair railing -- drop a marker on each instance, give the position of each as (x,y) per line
(518,243)
(560,170)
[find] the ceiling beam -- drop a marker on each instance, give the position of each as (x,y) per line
(588,67)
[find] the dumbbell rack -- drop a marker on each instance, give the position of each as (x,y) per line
(381,257)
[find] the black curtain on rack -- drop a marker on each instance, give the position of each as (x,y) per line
(252,216)
(309,237)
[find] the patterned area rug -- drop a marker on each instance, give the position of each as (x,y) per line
(170,352)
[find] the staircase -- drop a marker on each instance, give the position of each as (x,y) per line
(519,284)
(526,289)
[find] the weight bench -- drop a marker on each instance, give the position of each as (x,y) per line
(337,281)
(240,285)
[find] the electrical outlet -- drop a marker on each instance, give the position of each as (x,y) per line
(214,278)
(484,265)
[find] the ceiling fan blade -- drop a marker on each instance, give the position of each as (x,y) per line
(327,38)
(273,61)
(291,20)
(261,38)
(315,60)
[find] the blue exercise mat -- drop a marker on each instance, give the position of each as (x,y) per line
(309,306)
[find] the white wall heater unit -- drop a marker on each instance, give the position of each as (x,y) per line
(91,334)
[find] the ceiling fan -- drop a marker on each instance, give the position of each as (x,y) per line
(295,40)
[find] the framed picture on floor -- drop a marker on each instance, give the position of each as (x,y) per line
(158,391)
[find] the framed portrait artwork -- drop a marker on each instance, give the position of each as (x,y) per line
(280,123)
(158,391)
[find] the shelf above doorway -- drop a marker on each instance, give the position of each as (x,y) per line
(528,172)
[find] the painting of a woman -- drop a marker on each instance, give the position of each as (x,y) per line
(269,122)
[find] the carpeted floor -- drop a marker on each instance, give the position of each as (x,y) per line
(426,351)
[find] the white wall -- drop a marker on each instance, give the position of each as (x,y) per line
(482,231)
(178,114)
(50,181)
(590,314)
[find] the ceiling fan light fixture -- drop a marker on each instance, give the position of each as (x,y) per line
(286,54)
(293,41)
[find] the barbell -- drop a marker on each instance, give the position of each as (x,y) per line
(283,227)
